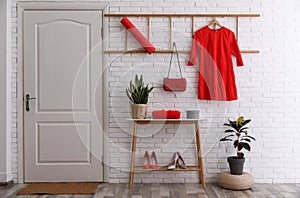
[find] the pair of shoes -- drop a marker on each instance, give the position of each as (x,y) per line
(177,161)
(149,161)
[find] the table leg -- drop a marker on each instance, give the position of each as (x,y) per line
(199,154)
(132,155)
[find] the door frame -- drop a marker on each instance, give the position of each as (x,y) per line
(88,6)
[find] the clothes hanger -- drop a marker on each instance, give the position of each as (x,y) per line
(215,22)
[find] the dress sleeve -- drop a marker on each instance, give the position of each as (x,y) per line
(235,50)
(193,56)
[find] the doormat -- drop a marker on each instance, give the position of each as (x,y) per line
(59,188)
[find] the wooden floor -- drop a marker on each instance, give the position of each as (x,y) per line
(171,190)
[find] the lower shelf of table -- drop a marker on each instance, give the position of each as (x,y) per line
(165,168)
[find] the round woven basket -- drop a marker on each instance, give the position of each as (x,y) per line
(236,182)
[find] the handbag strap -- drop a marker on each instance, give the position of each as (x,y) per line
(174,47)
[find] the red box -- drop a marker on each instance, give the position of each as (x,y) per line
(159,114)
(173,114)
(163,114)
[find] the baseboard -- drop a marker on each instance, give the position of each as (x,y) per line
(8,183)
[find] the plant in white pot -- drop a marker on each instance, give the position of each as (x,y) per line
(238,129)
(138,94)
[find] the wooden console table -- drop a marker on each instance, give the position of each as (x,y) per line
(199,168)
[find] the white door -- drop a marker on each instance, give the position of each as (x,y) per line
(63,137)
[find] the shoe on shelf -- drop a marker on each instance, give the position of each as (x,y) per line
(173,163)
(153,162)
(180,161)
(146,160)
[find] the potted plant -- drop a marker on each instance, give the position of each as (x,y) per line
(238,129)
(138,94)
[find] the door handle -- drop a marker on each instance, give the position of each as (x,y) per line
(27,99)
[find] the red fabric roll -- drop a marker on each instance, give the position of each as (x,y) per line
(138,35)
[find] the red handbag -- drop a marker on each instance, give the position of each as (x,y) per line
(174,84)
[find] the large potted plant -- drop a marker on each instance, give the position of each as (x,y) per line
(238,130)
(138,94)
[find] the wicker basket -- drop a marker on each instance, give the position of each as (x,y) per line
(236,182)
(139,111)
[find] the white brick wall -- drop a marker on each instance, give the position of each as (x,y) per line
(267,87)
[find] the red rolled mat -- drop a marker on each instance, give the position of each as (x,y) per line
(137,35)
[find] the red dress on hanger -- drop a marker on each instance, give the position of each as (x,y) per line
(216,76)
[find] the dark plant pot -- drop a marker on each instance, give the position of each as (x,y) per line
(236,165)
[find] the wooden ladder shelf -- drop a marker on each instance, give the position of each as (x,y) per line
(170,16)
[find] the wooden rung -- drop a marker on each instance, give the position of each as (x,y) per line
(165,168)
(148,21)
(237,28)
(170,20)
(193,26)
(249,51)
(141,51)
(165,51)
(126,40)
(182,15)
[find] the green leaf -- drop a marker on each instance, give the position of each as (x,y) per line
(151,89)
(132,87)
(225,139)
(135,98)
(143,96)
(246,122)
(229,131)
(246,146)
(239,120)
(246,139)
(234,126)
(129,95)
(249,137)
(239,146)
(141,81)
(229,136)
(136,80)
(243,129)
(235,143)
